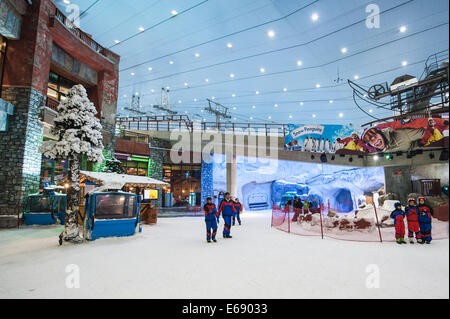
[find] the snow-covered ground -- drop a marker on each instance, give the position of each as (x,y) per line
(173,260)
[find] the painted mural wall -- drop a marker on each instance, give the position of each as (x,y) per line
(261,183)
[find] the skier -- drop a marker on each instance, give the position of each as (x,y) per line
(425,218)
(412,216)
(238,207)
(227,209)
(398,215)
(211,220)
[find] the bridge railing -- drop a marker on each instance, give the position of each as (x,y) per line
(183,123)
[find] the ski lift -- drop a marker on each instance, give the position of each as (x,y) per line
(45,208)
(111,214)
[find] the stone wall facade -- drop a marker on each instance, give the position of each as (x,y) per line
(20,159)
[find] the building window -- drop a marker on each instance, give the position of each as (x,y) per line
(135,168)
(58,87)
(3,47)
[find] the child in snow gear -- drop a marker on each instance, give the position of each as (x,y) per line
(211,220)
(227,209)
(238,208)
(398,215)
(412,216)
(425,218)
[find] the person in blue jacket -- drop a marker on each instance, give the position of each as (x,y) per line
(425,219)
(399,215)
(237,215)
(211,220)
(227,209)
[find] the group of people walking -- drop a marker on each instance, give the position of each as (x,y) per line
(230,210)
(419,218)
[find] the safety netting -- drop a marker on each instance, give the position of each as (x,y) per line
(369,224)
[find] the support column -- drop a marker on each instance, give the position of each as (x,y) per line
(398,181)
(231,174)
(207,181)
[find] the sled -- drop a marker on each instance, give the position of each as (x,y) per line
(111,214)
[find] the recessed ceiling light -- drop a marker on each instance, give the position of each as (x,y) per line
(133,74)
(195,100)
(229,45)
(251,118)
(262,70)
(344,50)
(318,86)
(116,41)
(186,84)
(314,115)
(341,114)
(179,102)
(206,80)
(254,107)
(404,63)
(124,95)
(197,55)
(234,108)
(137,93)
(171,62)
(314,17)
(271,33)
(301,103)
(66,1)
(276,105)
(235,119)
(331,101)
(232,75)
(403,29)
(370,111)
(142,29)
(299,63)
(290,116)
(167,87)
(174,12)
(233,95)
(269,117)
(284,90)
(356,77)
(257,92)
(213,98)
(153,91)
(150,68)
(376,157)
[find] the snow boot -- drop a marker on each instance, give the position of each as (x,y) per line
(398,242)
(229,236)
(428,242)
(214,240)
(403,241)
(411,241)
(421,241)
(208,240)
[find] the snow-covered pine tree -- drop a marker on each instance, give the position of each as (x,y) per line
(79,133)
(111,164)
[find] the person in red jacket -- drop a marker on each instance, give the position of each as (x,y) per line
(227,209)
(412,216)
(237,215)
(211,220)
(398,215)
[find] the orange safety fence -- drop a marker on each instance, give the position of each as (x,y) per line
(370,224)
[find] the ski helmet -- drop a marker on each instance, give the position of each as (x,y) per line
(397,204)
